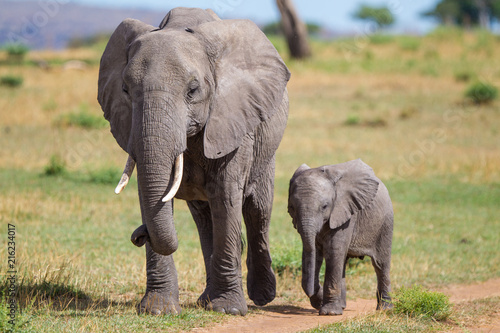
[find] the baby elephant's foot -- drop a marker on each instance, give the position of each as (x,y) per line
(331,309)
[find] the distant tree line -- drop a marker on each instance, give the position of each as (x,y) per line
(466,13)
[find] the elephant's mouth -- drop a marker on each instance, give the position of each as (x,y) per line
(129,168)
(140,236)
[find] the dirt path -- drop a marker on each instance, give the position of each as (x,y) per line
(283,319)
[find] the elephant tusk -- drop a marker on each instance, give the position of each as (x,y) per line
(179,166)
(127,172)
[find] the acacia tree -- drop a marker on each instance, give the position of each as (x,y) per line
(294,29)
(381,16)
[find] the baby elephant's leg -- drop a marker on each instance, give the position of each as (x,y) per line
(334,286)
(382,267)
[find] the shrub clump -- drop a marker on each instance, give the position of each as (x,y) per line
(56,166)
(83,118)
(482,92)
(418,302)
(105,176)
(12,81)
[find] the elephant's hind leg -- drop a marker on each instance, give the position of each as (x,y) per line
(261,282)
(382,267)
(200,210)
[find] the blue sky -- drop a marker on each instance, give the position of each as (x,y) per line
(336,15)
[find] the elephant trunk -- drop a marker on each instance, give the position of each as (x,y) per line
(308,262)
(160,139)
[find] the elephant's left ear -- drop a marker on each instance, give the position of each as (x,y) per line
(250,82)
(356,186)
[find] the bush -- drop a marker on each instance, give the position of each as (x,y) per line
(56,166)
(16,51)
(105,176)
(463,76)
(481,92)
(83,118)
(418,302)
(352,120)
(11,81)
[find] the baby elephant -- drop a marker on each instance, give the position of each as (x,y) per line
(341,211)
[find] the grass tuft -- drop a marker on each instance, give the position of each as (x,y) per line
(56,166)
(418,302)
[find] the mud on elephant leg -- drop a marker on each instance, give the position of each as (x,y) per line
(200,210)
(162,291)
(261,282)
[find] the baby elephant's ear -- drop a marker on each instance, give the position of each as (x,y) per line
(355,185)
(299,170)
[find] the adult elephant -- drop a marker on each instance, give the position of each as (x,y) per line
(200,105)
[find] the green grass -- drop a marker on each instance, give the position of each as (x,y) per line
(418,302)
(83,118)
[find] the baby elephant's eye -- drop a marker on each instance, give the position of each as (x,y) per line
(324,207)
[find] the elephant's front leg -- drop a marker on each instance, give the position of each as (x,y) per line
(261,282)
(200,210)
(333,289)
(226,291)
(162,290)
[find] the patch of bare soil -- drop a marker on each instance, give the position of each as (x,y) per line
(283,319)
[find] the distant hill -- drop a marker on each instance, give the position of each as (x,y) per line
(52,24)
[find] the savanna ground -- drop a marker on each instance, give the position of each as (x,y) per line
(396,102)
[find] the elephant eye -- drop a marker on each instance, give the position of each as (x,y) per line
(324,207)
(192,88)
(124,88)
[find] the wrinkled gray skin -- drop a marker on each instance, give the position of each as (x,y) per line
(341,211)
(214,90)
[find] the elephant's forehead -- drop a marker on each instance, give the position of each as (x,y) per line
(163,41)
(311,181)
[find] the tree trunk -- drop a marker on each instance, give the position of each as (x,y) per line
(484,16)
(294,29)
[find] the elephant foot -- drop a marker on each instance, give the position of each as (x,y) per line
(157,302)
(230,304)
(317,299)
(261,286)
(331,309)
(385,304)
(204,299)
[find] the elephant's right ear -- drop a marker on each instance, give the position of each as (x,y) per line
(113,99)
(355,185)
